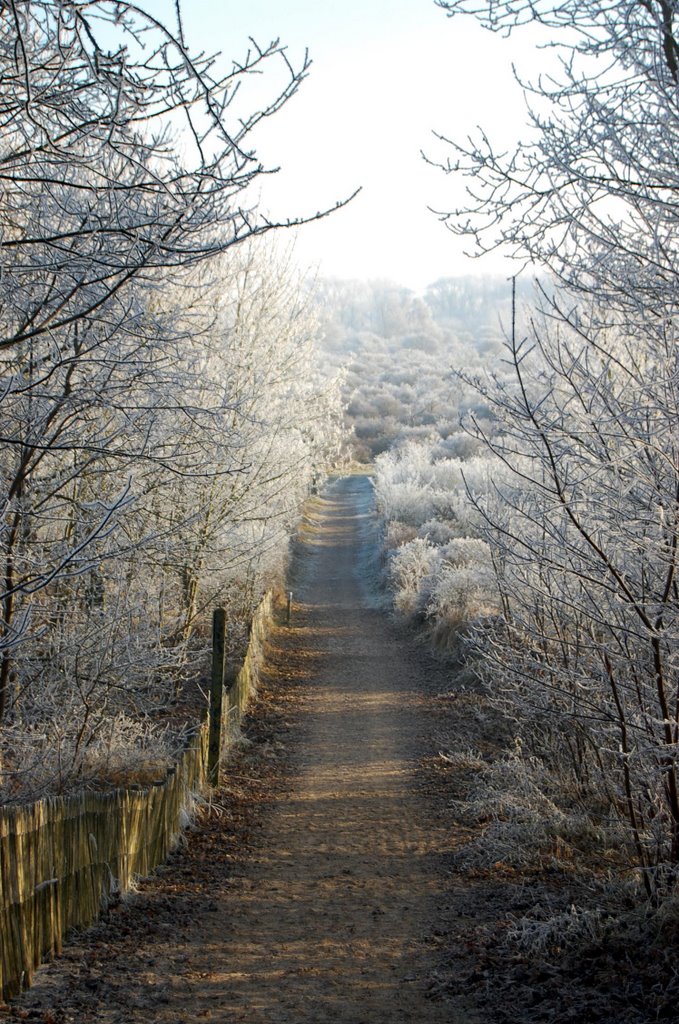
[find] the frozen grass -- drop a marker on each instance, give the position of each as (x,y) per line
(525,820)
(67,754)
(558,933)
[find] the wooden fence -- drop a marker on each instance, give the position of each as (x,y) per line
(61,858)
(248,677)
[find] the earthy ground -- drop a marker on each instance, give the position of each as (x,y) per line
(322,885)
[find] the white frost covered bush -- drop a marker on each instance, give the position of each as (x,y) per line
(418,482)
(398,533)
(465,587)
(567,931)
(517,802)
(412,570)
(437,531)
(438,566)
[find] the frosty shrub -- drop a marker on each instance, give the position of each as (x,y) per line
(397,533)
(439,568)
(438,531)
(412,570)
(572,930)
(465,587)
(418,483)
(459,445)
(407,501)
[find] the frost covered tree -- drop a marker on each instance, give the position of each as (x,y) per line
(154,417)
(585,536)
(264,417)
(214,440)
(120,154)
(584,542)
(589,192)
(122,165)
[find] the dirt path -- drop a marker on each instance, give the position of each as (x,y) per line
(352,869)
(337,908)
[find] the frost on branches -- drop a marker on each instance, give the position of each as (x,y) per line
(584,539)
(439,567)
(161,414)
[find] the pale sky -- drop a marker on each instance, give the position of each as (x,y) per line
(385,73)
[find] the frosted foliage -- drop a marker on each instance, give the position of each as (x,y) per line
(400,350)
(162,407)
(584,539)
(413,485)
(517,803)
(65,752)
(465,586)
(438,567)
(398,533)
(563,932)
(565,474)
(174,484)
(587,544)
(412,570)
(406,501)
(438,531)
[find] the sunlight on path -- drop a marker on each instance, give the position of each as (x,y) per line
(333,902)
(339,915)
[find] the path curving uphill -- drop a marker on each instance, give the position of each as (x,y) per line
(337,909)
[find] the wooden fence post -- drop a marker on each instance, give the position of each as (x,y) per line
(289,609)
(216,694)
